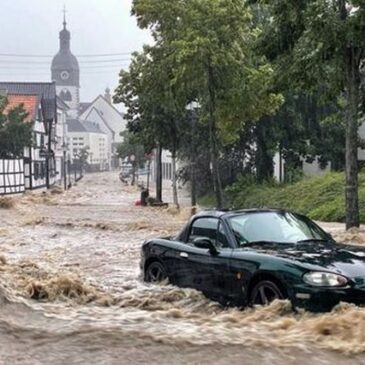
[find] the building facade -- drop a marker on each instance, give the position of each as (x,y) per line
(35,164)
(85,136)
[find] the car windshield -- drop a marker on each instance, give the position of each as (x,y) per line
(282,227)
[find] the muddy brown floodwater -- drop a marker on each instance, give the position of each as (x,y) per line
(70,293)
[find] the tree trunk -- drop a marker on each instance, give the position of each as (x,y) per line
(133,173)
(159,174)
(212,142)
(174,181)
(148,173)
(353,84)
(264,159)
(193,165)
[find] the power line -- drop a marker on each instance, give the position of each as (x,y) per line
(81,55)
(7,62)
(44,72)
(106,54)
(34,76)
(30,68)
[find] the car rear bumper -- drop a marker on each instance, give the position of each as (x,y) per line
(324,299)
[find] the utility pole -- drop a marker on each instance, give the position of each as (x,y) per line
(64,167)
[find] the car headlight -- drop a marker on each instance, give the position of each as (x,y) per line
(324,279)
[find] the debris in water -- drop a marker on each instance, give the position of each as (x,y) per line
(35,221)
(27,278)
(3,260)
(354,236)
(139,226)
(62,287)
(6,203)
(56,190)
(35,198)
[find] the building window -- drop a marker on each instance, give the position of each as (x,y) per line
(43,170)
(167,171)
(36,171)
(65,95)
(35,139)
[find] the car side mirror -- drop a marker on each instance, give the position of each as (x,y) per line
(206,243)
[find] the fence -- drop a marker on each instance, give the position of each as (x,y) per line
(12,176)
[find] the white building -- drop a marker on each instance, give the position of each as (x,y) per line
(84,135)
(103,113)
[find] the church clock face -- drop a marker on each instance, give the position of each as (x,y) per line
(65,75)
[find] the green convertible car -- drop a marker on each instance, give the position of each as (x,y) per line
(255,256)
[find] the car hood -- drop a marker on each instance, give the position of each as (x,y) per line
(344,259)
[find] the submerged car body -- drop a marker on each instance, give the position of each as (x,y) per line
(255,256)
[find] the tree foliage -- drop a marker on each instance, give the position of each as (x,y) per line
(204,51)
(268,75)
(83,156)
(130,147)
(15,133)
(318,45)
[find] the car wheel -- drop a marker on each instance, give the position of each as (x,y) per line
(265,292)
(155,273)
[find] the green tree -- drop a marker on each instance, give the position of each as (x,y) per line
(155,105)
(15,132)
(131,147)
(83,156)
(141,113)
(319,45)
(212,42)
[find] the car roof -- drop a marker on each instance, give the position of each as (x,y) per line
(219,213)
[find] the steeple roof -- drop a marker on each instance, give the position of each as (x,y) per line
(65,60)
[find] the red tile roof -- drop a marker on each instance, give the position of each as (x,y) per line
(30,104)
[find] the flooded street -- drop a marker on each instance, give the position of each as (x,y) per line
(70,293)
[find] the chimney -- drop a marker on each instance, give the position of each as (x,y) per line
(108,96)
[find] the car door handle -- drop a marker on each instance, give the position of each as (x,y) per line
(184,255)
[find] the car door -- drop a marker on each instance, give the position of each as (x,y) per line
(177,265)
(208,271)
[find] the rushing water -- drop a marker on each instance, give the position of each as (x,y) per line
(70,286)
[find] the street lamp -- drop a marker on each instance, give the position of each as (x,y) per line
(64,151)
(74,166)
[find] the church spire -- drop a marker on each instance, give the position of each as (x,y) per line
(65,35)
(64,17)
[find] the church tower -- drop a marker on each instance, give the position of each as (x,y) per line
(66,73)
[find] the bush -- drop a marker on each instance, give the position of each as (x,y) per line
(321,198)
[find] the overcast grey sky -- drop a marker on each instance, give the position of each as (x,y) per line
(97,27)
